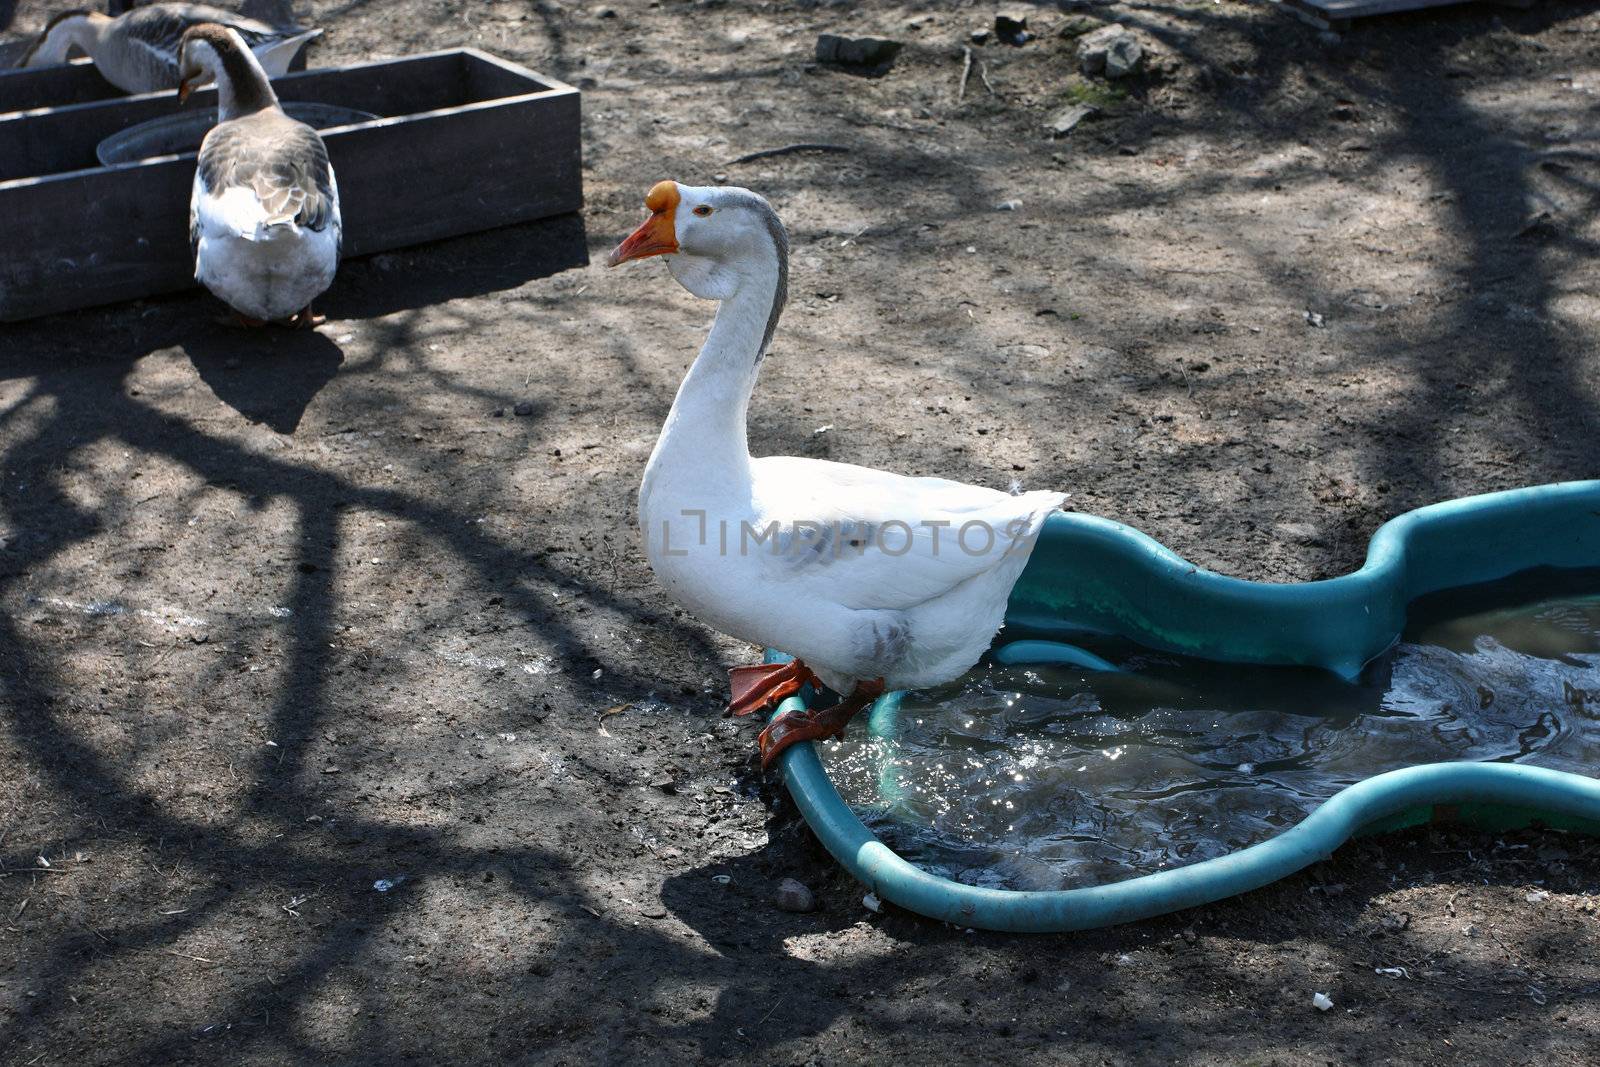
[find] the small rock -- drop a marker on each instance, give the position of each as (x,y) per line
(866,53)
(1301,533)
(980,36)
(1321,1001)
(1123,57)
(1096,50)
(1537,895)
(652,911)
(1011,27)
(1395,921)
(1065,121)
(1314,319)
(665,784)
(792,896)
(1009,205)
(1541,227)
(523,408)
(872,903)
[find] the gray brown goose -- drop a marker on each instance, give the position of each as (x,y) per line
(264,212)
(138,50)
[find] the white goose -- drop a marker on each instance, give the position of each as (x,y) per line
(264,219)
(871,580)
(138,50)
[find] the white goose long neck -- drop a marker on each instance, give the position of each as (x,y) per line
(705,432)
(242,85)
(85,31)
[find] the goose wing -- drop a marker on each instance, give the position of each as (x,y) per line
(152,34)
(869,539)
(267,170)
(155,29)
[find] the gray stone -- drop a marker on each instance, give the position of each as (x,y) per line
(792,896)
(874,53)
(1301,533)
(1110,50)
(1123,56)
(1011,27)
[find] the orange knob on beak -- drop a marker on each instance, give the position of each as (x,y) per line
(658,235)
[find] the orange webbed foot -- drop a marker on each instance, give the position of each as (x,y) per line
(797,726)
(763,686)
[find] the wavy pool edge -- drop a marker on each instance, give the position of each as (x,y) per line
(1553,795)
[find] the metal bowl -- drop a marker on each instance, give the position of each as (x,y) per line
(173,135)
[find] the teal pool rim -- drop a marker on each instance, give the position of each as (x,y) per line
(1092,575)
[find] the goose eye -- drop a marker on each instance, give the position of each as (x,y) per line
(703,210)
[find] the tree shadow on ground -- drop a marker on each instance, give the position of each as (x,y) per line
(802,991)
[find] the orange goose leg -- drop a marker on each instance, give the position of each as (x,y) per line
(763,686)
(814,725)
(306,319)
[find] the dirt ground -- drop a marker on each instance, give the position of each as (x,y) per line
(284,615)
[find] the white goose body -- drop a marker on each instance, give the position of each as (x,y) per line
(264,218)
(138,50)
(862,574)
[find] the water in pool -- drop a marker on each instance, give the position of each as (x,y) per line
(1045,777)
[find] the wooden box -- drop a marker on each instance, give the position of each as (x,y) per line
(463,142)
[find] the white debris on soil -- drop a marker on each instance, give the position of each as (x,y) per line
(1321,1001)
(1065,121)
(872,903)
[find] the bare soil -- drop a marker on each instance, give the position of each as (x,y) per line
(283,615)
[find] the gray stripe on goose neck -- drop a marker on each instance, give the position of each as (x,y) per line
(780,244)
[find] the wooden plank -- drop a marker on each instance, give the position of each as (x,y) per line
(106,234)
(466,169)
(1327,12)
(74,82)
(71,83)
(60,139)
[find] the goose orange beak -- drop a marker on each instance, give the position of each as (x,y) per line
(658,235)
(185,87)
